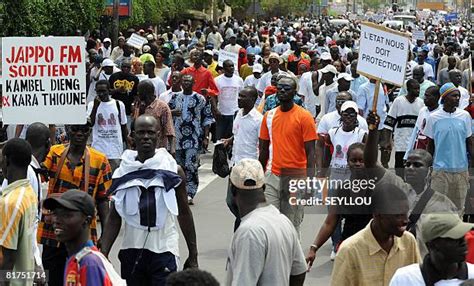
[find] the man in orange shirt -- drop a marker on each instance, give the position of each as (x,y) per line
(287,144)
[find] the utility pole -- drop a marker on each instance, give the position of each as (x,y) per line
(115,26)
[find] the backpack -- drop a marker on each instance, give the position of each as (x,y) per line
(109,268)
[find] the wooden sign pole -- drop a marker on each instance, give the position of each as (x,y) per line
(374,103)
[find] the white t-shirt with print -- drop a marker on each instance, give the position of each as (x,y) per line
(107,131)
(411,275)
(333,119)
(341,140)
(229,88)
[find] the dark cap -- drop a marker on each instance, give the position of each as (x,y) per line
(75,200)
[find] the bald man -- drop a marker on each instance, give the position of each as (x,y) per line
(455,76)
(151,209)
(151,105)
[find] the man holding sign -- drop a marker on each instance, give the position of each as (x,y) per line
(382,53)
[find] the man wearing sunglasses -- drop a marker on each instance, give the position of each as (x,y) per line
(73,166)
(290,132)
(331,120)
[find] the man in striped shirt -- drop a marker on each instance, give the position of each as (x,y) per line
(73,167)
(18,210)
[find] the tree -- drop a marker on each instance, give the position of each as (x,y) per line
(49,17)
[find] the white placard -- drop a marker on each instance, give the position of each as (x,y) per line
(224,55)
(382,54)
(44,80)
(418,35)
(136,41)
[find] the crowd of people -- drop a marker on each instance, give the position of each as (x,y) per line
(292,106)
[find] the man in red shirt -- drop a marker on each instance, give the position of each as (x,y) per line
(203,81)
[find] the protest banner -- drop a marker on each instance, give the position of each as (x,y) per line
(451,17)
(418,35)
(383,55)
(223,56)
(44,80)
(136,41)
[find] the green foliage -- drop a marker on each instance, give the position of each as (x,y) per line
(49,17)
(372,4)
(274,7)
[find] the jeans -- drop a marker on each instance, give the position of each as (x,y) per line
(399,164)
(142,267)
(224,126)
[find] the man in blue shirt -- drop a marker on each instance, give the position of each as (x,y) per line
(450,140)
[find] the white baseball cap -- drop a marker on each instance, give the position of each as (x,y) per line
(326,56)
(107,40)
(257,68)
(345,76)
(108,63)
(349,104)
(329,68)
(247,175)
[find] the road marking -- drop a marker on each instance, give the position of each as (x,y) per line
(206,176)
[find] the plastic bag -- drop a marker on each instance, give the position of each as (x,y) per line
(220,166)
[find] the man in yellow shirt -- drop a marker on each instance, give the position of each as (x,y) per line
(371,256)
(247,69)
(18,210)
(211,63)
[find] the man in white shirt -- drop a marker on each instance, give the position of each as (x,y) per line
(233,47)
(151,210)
(106,50)
(274,61)
(401,121)
(215,38)
(309,82)
(428,69)
(244,140)
(445,263)
(333,119)
(253,79)
(175,87)
(149,70)
(265,249)
(329,72)
(282,47)
(343,84)
(455,76)
(229,85)
(109,124)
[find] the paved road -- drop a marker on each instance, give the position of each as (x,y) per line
(214,229)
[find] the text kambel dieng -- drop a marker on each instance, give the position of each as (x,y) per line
(332,201)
